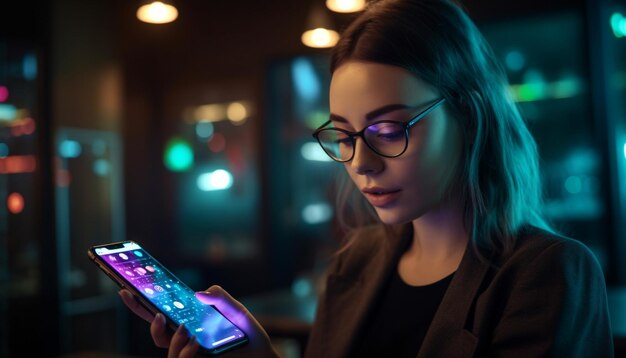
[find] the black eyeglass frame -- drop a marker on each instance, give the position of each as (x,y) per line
(353,135)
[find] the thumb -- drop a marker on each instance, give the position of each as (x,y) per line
(228,306)
(238,314)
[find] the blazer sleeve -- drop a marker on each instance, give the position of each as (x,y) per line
(557,307)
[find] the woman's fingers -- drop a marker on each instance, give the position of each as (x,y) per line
(182,344)
(259,344)
(134,305)
(158,330)
(229,307)
(191,349)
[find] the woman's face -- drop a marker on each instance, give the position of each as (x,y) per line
(404,188)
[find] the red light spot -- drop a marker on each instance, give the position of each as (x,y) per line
(28,127)
(217,143)
(4,93)
(16,164)
(15,203)
(63,178)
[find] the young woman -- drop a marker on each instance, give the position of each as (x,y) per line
(460,261)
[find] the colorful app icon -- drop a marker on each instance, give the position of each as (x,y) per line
(179,305)
(129,273)
(148,290)
(167,308)
(150,268)
(113,258)
(138,253)
(158,288)
(140,271)
(124,256)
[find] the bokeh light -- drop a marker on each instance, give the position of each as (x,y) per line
(237,112)
(157,13)
(70,149)
(219,179)
(178,155)
(320,38)
(317,213)
(15,203)
(217,143)
(204,129)
(345,6)
(4,93)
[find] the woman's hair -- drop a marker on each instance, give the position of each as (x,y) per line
(499,181)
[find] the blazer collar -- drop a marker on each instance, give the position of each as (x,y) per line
(447,335)
(354,289)
(352,296)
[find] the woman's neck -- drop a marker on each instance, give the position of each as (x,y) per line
(440,234)
(439,242)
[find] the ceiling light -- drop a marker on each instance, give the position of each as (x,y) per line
(157,12)
(319,32)
(345,5)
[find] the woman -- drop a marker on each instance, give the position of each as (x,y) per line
(461,262)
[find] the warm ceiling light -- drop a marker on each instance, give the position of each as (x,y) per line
(320,38)
(345,5)
(157,13)
(319,33)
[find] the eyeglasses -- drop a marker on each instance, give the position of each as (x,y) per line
(386,138)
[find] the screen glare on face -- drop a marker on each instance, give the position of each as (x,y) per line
(385,138)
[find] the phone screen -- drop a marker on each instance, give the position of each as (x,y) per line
(172,297)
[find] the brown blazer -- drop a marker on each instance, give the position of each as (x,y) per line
(547,299)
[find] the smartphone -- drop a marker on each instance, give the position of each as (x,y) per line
(157,289)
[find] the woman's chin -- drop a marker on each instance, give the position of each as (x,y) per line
(390,218)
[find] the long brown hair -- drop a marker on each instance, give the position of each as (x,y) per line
(435,40)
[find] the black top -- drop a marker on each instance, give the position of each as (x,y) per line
(398,322)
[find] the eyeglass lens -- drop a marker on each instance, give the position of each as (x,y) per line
(385,138)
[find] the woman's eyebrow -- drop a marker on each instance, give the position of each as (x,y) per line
(373,114)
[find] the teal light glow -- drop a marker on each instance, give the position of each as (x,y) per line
(302,287)
(573,184)
(618,25)
(624,150)
(204,129)
(313,151)
(566,87)
(217,180)
(317,213)
(178,155)
(70,149)
(7,112)
(4,150)
(101,167)
(98,147)
(29,67)
(305,80)
(316,118)
(514,60)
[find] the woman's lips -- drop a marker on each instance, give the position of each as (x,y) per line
(381,198)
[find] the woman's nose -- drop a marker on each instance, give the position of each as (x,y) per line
(365,160)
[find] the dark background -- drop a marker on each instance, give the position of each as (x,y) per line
(120,90)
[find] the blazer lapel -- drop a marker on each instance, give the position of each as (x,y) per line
(350,296)
(447,335)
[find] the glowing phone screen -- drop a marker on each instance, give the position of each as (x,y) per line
(174,298)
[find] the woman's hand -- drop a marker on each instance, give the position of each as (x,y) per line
(182,344)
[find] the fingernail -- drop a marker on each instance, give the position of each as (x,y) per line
(182,330)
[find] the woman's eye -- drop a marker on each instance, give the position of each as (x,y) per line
(391,135)
(344,141)
(389,132)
